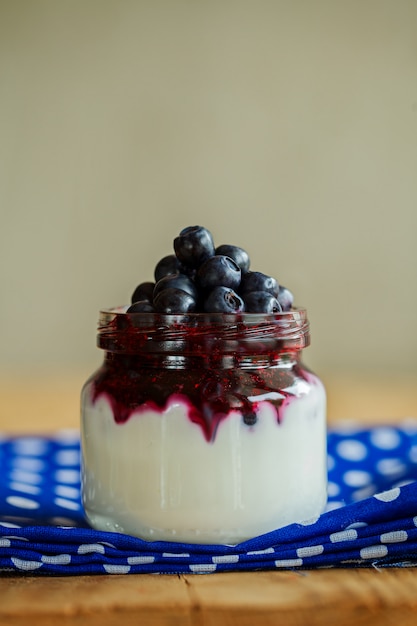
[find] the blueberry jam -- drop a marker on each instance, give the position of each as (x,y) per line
(212,364)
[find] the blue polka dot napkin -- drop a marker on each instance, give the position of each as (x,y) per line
(371,517)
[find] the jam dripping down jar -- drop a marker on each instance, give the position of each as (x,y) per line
(202,428)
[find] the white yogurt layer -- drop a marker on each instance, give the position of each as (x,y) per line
(156,476)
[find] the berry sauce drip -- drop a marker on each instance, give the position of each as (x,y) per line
(208,395)
(210,385)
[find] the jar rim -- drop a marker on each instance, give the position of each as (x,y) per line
(178,318)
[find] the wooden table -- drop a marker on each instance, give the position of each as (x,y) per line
(342,597)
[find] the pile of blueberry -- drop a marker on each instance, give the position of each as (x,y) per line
(200,278)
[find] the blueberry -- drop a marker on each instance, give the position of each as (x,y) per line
(174,301)
(223,300)
(218,271)
(256,281)
(194,245)
(239,255)
(141,306)
(261,302)
(250,419)
(176,281)
(285,298)
(144,291)
(167,265)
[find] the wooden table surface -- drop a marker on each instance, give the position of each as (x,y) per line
(329,596)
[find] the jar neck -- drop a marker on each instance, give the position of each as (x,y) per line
(283,360)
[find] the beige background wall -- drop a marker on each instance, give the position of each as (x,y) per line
(288,127)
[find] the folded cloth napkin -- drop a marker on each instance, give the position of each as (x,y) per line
(371,517)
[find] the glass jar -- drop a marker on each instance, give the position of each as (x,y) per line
(202,428)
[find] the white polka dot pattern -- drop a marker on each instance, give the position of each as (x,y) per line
(41,479)
(116,569)
(203,568)
(370,520)
(394,537)
(385,438)
(58,559)
(140,560)
(226,558)
(22,503)
(25,565)
(352,450)
(344,535)
(365,462)
(86,548)
(374,552)
(309,551)
(388,496)
(288,563)
(356,478)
